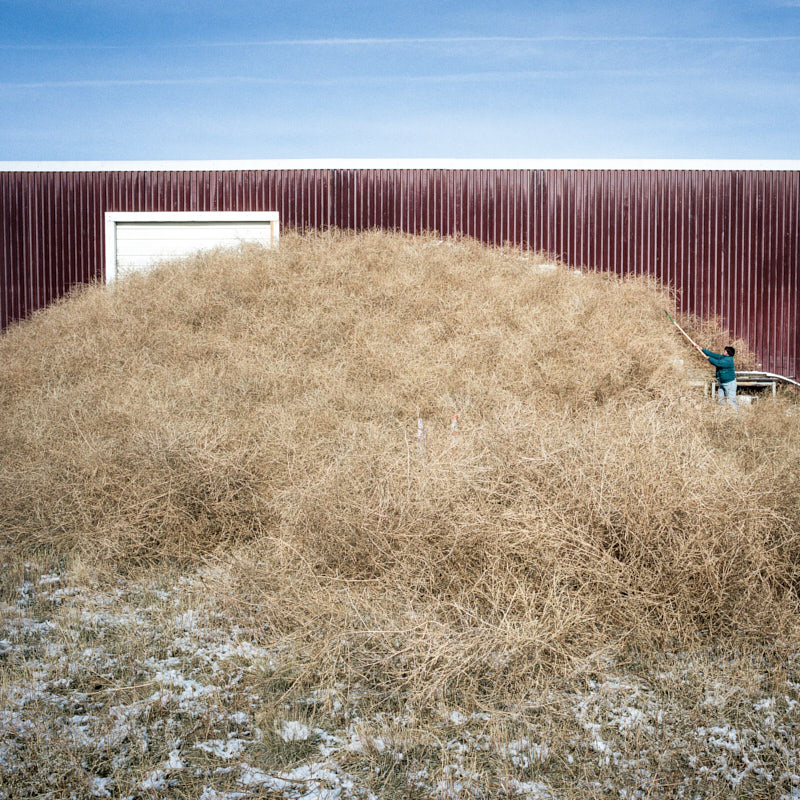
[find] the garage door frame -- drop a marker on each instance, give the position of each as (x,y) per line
(113,218)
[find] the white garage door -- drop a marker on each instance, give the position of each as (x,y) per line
(137,240)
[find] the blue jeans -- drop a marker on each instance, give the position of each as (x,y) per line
(727,391)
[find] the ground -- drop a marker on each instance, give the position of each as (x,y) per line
(148,688)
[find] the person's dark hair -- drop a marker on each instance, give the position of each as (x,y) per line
(730,351)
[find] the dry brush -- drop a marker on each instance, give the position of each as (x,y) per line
(257,411)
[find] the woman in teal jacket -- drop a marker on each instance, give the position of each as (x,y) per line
(726,374)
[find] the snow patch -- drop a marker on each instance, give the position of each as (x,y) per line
(294,731)
(220,748)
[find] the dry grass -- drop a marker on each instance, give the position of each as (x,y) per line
(146,688)
(258,411)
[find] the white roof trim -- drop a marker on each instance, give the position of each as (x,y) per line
(402,163)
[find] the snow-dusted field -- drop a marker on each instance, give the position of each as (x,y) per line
(148,689)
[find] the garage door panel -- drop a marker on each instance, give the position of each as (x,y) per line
(138,241)
(172,247)
(133,232)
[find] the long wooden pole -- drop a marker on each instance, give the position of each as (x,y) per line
(694,343)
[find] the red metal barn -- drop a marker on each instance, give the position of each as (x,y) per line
(724,234)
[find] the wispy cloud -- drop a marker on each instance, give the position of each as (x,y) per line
(103,82)
(348,42)
(407,41)
(460,77)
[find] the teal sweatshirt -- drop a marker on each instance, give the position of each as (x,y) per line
(726,372)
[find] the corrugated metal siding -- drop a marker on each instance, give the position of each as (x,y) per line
(727,240)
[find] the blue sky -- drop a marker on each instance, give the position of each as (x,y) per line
(98,80)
